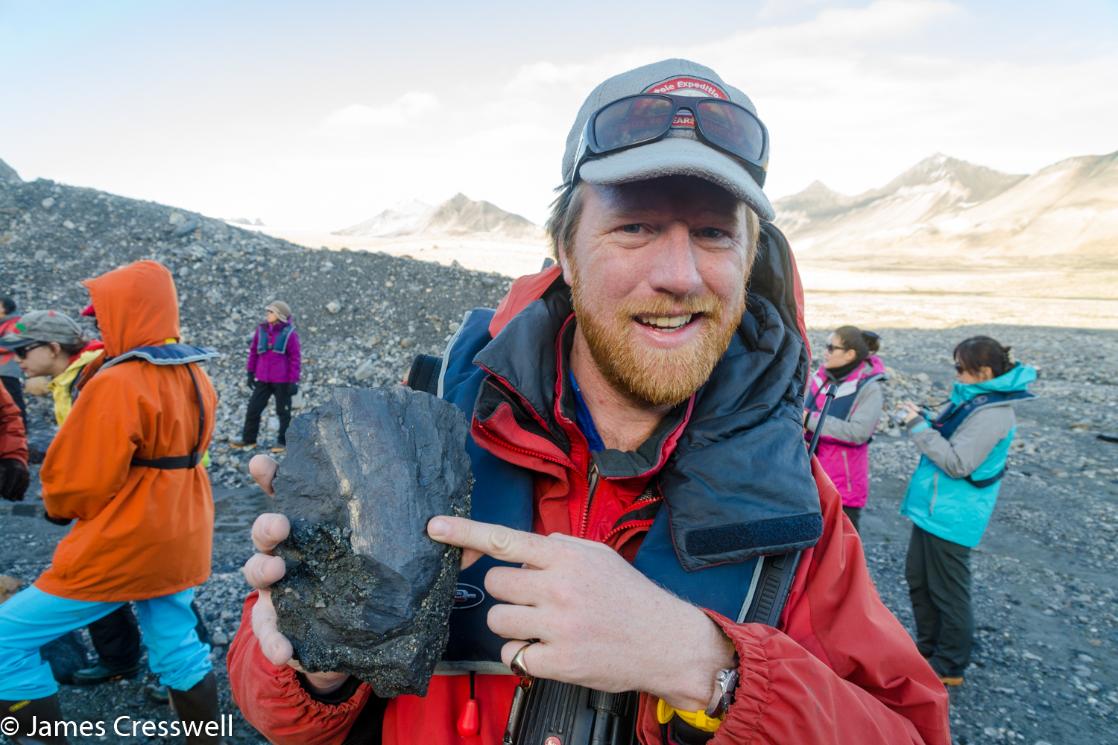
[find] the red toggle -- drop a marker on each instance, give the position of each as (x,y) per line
(469,723)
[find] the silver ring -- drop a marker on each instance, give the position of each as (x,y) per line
(517,664)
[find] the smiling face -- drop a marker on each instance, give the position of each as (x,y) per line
(658,271)
(270,316)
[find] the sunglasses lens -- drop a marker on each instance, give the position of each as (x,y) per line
(732,128)
(631,121)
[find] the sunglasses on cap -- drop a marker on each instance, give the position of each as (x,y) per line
(22,352)
(648,117)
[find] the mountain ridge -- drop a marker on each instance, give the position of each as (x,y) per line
(958,211)
(457,216)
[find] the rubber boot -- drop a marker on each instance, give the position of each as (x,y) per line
(199,706)
(28,713)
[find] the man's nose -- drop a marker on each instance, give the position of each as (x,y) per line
(673,267)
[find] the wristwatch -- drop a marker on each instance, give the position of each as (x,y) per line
(725,683)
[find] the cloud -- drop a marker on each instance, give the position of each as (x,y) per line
(404,110)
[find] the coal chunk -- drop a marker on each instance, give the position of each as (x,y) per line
(366,591)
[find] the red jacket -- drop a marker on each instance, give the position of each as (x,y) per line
(840,670)
(13,438)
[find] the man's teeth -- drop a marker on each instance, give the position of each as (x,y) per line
(666,322)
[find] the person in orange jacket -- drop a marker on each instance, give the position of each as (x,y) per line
(14,476)
(126,468)
(639,468)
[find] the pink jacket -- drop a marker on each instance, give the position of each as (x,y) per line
(851,421)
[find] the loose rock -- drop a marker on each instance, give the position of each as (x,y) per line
(366,591)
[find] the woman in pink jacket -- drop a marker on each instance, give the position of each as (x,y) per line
(851,366)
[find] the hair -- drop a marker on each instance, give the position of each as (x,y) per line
(8,304)
(72,348)
(978,352)
(864,343)
(566,210)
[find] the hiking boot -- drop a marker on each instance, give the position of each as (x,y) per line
(158,693)
(951,681)
(238,444)
(198,706)
(29,717)
(102,673)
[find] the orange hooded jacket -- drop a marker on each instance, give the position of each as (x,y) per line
(140,532)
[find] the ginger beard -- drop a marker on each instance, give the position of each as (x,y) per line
(660,377)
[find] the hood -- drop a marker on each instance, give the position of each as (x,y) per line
(877,367)
(1017,379)
(137,306)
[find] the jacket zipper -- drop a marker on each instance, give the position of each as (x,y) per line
(935,493)
(846,465)
(591,487)
(509,446)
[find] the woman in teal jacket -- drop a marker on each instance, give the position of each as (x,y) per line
(951,495)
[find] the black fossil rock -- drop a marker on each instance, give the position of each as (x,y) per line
(366,591)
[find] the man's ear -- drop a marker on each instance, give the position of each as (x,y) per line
(565,263)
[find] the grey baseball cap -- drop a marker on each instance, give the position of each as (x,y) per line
(42,326)
(680,152)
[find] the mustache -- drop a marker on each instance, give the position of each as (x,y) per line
(708,305)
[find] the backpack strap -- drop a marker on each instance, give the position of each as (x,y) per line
(178,462)
(424,373)
(772,580)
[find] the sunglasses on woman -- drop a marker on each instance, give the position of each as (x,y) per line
(648,117)
(959,368)
(22,352)
(833,348)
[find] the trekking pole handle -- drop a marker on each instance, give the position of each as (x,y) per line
(822,416)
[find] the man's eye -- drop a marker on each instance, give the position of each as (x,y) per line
(711,233)
(632,228)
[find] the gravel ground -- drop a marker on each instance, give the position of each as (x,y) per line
(1045,594)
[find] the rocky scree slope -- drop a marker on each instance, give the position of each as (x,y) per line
(361,316)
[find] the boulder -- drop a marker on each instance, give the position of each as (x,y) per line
(366,591)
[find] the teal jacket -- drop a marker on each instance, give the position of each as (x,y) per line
(939,498)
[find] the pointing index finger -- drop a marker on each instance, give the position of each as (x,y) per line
(498,541)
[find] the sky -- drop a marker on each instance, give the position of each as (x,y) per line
(317,115)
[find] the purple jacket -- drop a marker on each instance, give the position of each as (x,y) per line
(270,365)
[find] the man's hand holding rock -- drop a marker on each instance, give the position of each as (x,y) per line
(263,570)
(598,621)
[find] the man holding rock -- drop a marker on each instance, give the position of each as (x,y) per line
(639,464)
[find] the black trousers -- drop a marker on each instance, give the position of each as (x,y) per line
(116,637)
(261,392)
(15,388)
(855,514)
(939,585)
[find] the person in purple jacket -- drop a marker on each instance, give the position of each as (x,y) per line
(852,367)
(273,370)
